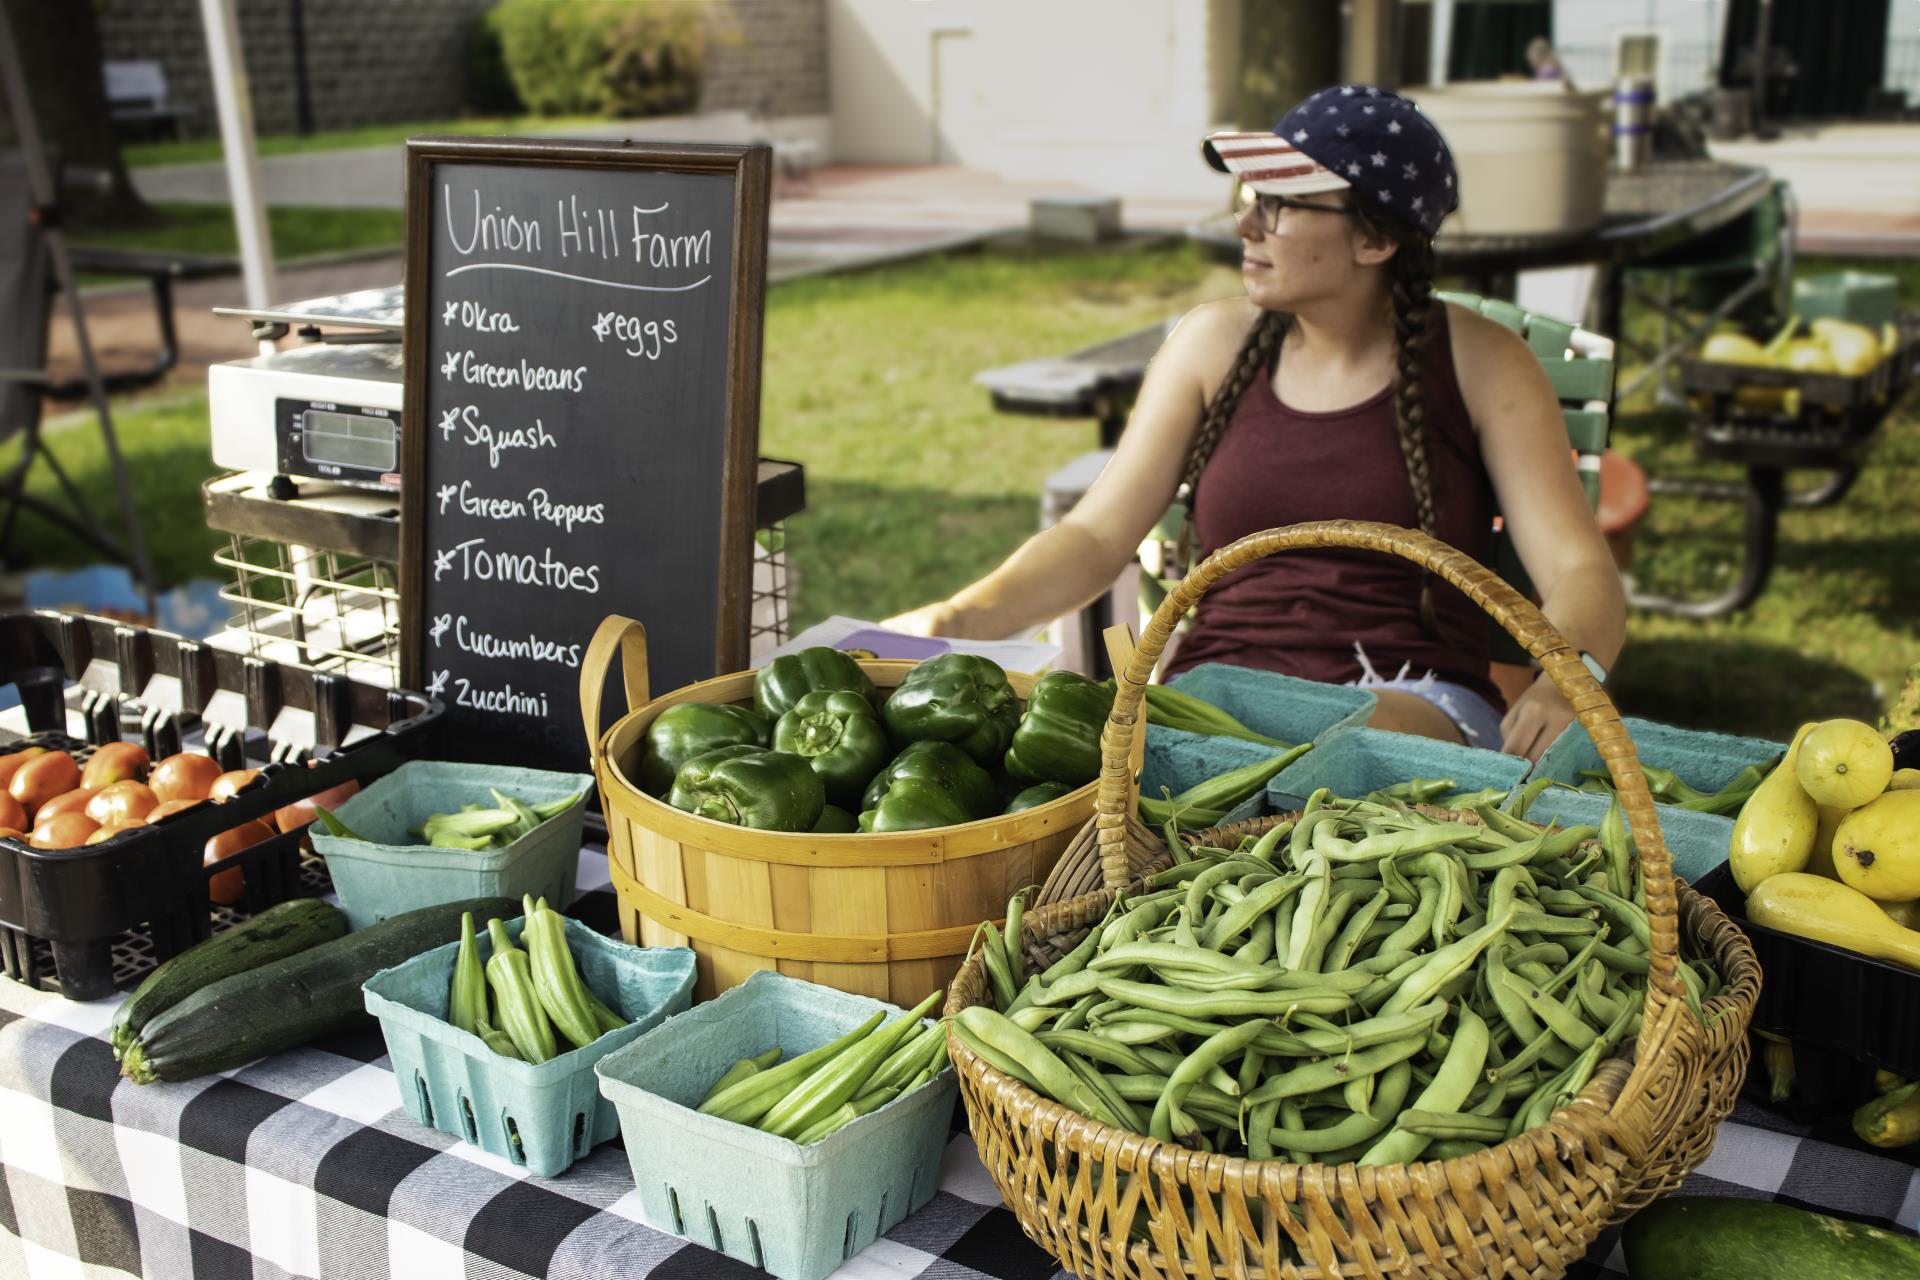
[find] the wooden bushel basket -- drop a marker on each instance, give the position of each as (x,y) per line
(1109,1203)
(885,915)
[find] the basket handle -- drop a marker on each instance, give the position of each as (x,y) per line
(1522,620)
(630,638)
(1120,646)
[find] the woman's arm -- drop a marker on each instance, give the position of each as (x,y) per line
(1523,441)
(1061,568)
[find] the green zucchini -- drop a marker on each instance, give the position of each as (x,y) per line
(278,932)
(1721,1238)
(291,1001)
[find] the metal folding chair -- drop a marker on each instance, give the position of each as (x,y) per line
(1744,271)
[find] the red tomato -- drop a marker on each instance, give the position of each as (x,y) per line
(121,803)
(229,887)
(167,808)
(226,784)
(185,776)
(64,831)
(115,762)
(74,801)
(11,762)
(298,814)
(42,778)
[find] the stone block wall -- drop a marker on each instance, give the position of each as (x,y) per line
(385,61)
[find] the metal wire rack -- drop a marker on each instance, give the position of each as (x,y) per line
(769,622)
(328,610)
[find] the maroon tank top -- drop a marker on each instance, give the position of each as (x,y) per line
(1300,612)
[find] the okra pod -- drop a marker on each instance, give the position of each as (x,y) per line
(841,1079)
(753,1097)
(521,1016)
(742,1069)
(555,980)
(467,1000)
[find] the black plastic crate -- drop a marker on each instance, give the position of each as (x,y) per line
(86,921)
(1834,1000)
(1826,399)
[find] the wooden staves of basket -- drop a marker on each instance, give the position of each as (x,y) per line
(1109,1203)
(882,915)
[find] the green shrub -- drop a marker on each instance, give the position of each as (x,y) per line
(614,57)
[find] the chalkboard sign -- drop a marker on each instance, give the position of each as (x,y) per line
(581,422)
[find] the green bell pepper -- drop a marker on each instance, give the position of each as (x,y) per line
(750,787)
(1059,736)
(835,821)
(791,677)
(945,766)
(914,804)
(682,732)
(1038,794)
(840,735)
(957,698)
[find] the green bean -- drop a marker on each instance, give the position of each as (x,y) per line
(1526,795)
(1396,843)
(1400,890)
(1452,1149)
(1228,1004)
(1359,1035)
(1358,1095)
(1420,923)
(1202,885)
(1312,901)
(1051,1076)
(1443,965)
(1260,1128)
(995,956)
(1335,1072)
(1016,959)
(1506,888)
(1541,1046)
(999,1061)
(1447,1091)
(1389,1094)
(1619,853)
(1340,955)
(1232,923)
(1384,987)
(1098,1047)
(1547,953)
(1452,1125)
(1323,932)
(1091,1076)
(1167,1023)
(1562,1021)
(1205,1058)
(1149,1089)
(1507,824)
(1631,919)
(1557,926)
(1270,840)
(1597,1005)
(1258,948)
(1565,842)
(1382,961)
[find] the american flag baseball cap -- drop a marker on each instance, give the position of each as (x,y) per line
(1349,136)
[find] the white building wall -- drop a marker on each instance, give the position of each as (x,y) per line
(1113,96)
(1586,33)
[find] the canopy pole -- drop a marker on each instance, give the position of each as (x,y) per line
(234,101)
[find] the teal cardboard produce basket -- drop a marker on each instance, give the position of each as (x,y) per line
(797,1212)
(542,1115)
(1353,762)
(392,871)
(1705,761)
(1280,706)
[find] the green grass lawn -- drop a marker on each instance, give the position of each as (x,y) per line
(916,486)
(297,232)
(146,155)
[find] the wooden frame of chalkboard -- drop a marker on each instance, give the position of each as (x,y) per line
(638,438)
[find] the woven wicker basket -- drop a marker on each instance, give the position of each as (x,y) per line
(886,914)
(1106,1202)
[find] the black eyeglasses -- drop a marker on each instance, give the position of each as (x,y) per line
(1271,205)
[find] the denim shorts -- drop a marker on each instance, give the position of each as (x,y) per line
(1473,715)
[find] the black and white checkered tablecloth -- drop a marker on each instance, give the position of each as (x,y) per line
(304,1165)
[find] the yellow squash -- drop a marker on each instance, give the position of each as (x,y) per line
(1904,914)
(1775,829)
(1733,348)
(1843,763)
(1905,780)
(1854,348)
(1877,849)
(1828,911)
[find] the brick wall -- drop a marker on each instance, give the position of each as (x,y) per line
(771,53)
(380,61)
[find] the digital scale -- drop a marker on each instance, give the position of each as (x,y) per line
(329,410)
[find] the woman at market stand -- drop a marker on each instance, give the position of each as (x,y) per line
(1338,388)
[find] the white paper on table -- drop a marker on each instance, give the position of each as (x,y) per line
(837,632)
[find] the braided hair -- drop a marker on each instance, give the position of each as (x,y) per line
(1410,282)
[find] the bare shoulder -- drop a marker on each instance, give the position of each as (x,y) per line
(1490,361)
(1203,345)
